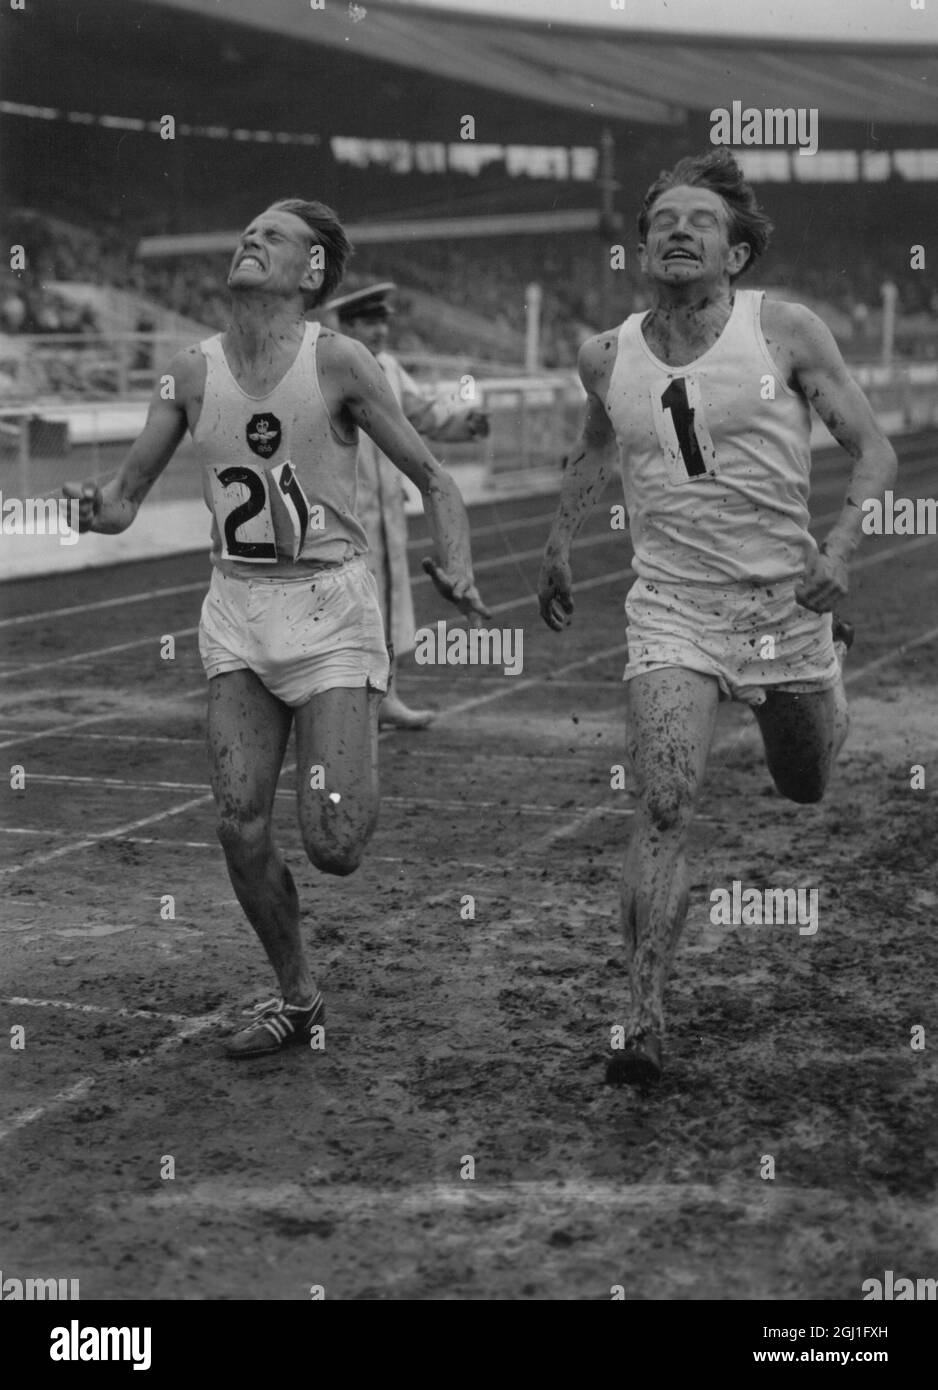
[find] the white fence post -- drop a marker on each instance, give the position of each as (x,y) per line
(532,336)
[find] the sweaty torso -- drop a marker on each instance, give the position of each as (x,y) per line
(258,375)
(713,436)
(677,342)
(277,450)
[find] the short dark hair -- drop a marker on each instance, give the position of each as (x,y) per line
(718,171)
(328,233)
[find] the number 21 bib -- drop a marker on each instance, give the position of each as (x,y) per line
(262,514)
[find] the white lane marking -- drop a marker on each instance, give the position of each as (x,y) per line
(94,653)
(543,1198)
(892,655)
(34,619)
(114,834)
(513,684)
(69,1004)
(130,738)
(81,1088)
(890,554)
(580,822)
(443,803)
(52,777)
(64,729)
(27,1117)
(96,839)
(29,830)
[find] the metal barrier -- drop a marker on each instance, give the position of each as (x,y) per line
(82,366)
(57,435)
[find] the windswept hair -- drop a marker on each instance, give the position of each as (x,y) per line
(328,233)
(718,171)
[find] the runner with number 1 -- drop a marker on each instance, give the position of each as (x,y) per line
(704,404)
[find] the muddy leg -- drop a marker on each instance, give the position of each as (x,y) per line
(671,715)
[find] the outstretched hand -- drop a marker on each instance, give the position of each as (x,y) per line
(462,592)
(478,424)
(824,584)
(88,497)
(554,594)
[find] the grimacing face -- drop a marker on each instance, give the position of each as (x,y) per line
(688,239)
(274,255)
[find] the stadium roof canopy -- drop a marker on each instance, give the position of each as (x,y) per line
(374,69)
(609,73)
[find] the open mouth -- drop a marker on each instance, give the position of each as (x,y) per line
(249,262)
(679,254)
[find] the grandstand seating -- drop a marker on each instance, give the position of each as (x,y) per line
(833,248)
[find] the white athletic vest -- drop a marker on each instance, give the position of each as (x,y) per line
(281,486)
(715,458)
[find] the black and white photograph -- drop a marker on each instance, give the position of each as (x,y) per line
(468,598)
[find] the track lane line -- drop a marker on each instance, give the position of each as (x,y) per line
(288,793)
(64,729)
(80,1088)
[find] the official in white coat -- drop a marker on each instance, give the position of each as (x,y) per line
(364,315)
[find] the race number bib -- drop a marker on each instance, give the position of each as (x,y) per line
(262,515)
(682,430)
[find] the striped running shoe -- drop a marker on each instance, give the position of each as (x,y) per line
(276,1025)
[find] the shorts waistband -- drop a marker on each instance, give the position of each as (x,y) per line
(743,588)
(316,569)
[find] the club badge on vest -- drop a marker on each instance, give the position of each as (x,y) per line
(263,435)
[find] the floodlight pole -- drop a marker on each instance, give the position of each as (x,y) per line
(889,294)
(606,181)
(610,224)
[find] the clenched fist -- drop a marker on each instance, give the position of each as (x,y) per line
(824,584)
(88,496)
(554,592)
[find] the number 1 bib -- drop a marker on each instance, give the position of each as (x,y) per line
(682,430)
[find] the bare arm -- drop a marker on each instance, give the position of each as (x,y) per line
(439,416)
(584,479)
(822,375)
(113,507)
(371,404)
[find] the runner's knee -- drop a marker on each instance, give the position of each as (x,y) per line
(245,839)
(668,801)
